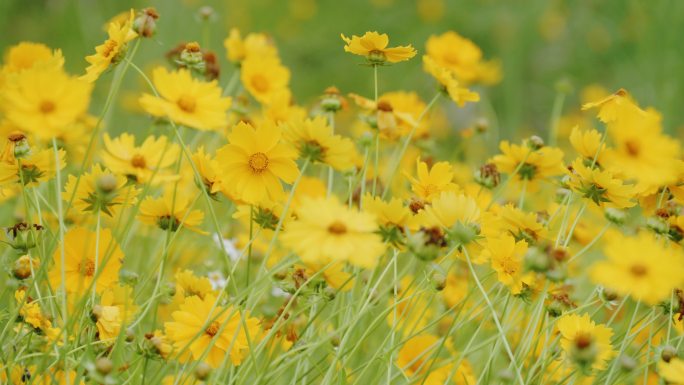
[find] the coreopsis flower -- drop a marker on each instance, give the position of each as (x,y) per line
(600,186)
(81,266)
(640,266)
(391,122)
(112,51)
(514,221)
(121,297)
(507,258)
(264,78)
(100,190)
(588,144)
(373,46)
(204,326)
(463,58)
(254,45)
(171,211)
(210,172)
(187,101)
(108,322)
(256,160)
(43,101)
(188,284)
(584,342)
(35,168)
(315,140)
(672,371)
(449,84)
(392,216)
(449,208)
(613,106)
(328,231)
(533,164)
(30,311)
(26,55)
(405,104)
(428,184)
(149,162)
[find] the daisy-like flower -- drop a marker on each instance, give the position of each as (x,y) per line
(210,172)
(373,46)
(390,119)
(601,187)
(672,372)
(315,140)
(613,106)
(588,144)
(112,50)
(640,266)
(428,184)
(532,163)
(256,45)
(100,190)
(26,55)
(462,57)
(450,208)
(507,257)
(448,83)
(44,101)
(584,342)
(35,168)
(170,211)
(203,329)
(256,160)
(265,78)
(187,101)
(327,231)
(149,162)
(81,266)
(514,221)
(188,284)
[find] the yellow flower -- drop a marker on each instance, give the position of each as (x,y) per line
(584,342)
(672,372)
(507,257)
(391,213)
(81,265)
(587,144)
(327,231)
(512,220)
(44,101)
(26,55)
(100,190)
(613,106)
(122,298)
(171,211)
(450,208)
(108,322)
(253,45)
(30,311)
(373,46)
(255,161)
(448,83)
(462,57)
(315,140)
(429,184)
(601,187)
(205,326)
(188,284)
(35,168)
(640,266)
(531,164)
(210,172)
(112,50)
(417,354)
(147,163)
(264,78)
(187,101)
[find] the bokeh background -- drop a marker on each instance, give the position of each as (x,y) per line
(635,44)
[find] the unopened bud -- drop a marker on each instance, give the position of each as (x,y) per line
(106,183)
(535,142)
(202,371)
(145,23)
(668,353)
(104,365)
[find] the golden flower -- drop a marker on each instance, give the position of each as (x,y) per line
(171,211)
(99,190)
(187,101)
(601,187)
(507,257)
(428,184)
(373,46)
(585,342)
(112,50)
(256,45)
(531,164)
(462,57)
(315,140)
(447,81)
(264,78)
(148,162)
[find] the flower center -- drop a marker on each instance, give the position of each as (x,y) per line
(258,162)
(582,341)
(632,148)
(337,228)
(187,103)
(47,106)
(260,83)
(87,268)
(109,47)
(213,329)
(638,270)
(138,161)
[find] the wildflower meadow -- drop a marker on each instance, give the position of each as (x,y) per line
(187,204)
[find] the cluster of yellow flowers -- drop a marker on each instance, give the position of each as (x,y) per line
(327,243)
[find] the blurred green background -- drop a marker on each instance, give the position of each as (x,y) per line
(638,45)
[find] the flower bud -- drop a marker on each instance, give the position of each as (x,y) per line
(627,363)
(616,216)
(20,144)
(439,281)
(332,101)
(23,267)
(668,353)
(535,142)
(202,371)
(104,365)
(23,236)
(106,183)
(145,22)
(488,176)
(206,13)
